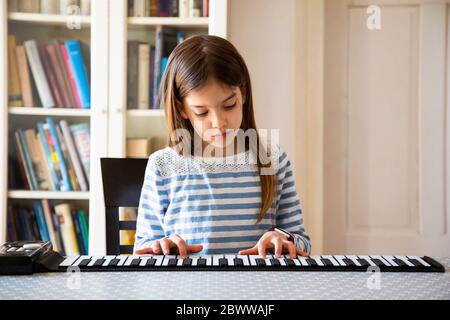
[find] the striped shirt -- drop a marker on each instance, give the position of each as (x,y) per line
(215,202)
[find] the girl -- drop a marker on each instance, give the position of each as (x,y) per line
(212,190)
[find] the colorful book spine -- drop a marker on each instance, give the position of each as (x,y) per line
(43,231)
(84,229)
(48,156)
(73,86)
(79,72)
(58,150)
(67,229)
(82,139)
(28,162)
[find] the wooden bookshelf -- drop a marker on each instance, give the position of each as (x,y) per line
(111,123)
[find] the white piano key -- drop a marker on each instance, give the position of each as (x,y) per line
(129,260)
(122,260)
(354,259)
(180,261)
(216,258)
(80,258)
(302,261)
(144,259)
(159,260)
(340,260)
(209,259)
(68,261)
(385,262)
(194,260)
(367,258)
(252,258)
(403,258)
(93,259)
(267,259)
(317,259)
(230,259)
(332,260)
(426,264)
(167,258)
(391,261)
(245,260)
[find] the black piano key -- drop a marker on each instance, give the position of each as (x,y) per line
(363,262)
(311,262)
(223,262)
(172,262)
(187,262)
(238,262)
(113,262)
(135,262)
(201,262)
(99,262)
(400,262)
(84,262)
(415,263)
(289,262)
(379,263)
(348,262)
(327,262)
(260,262)
(150,262)
(275,262)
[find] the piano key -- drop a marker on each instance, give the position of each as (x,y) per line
(252,259)
(80,259)
(384,261)
(93,260)
(144,259)
(215,261)
(340,260)
(113,262)
(84,263)
(416,263)
(68,261)
(99,262)
(194,259)
(311,262)
(405,260)
(327,262)
(223,262)
(354,259)
(166,259)
(289,262)
(260,262)
(159,260)
(391,261)
(369,261)
(186,262)
(209,259)
(238,262)
(333,261)
(180,261)
(244,259)
(400,262)
(275,262)
(122,260)
(268,258)
(230,259)
(303,261)
(426,264)
(107,260)
(201,262)
(150,262)
(130,260)
(172,262)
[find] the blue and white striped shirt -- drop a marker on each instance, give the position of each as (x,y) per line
(215,202)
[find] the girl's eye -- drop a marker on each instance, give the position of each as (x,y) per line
(201,114)
(230,107)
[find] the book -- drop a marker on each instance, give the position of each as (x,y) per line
(143,75)
(154,8)
(21,161)
(83,218)
(68,160)
(63,211)
(50,225)
(38,73)
(139,8)
(132,74)
(49,6)
(78,234)
(71,79)
(183,8)
(37,165)
(74,155)
(164,8)
(29,6)
(50,157)
(82,139)
(85,7)
(205,8)
(79,72)
(54,157)
(44,162)
(60,158)
(138,148)
(50,76)
(26,156)
(195,8)
(24,77)
(58,72)
(14,93)
(41,223)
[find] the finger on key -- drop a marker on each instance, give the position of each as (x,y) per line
(144,251)
(291,248)
(262,245)
(278,243)
(194,248)
(156,246)
(302,253)
(249,251)
(166,243)
(181,245)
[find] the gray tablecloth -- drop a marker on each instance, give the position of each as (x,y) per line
(228,285)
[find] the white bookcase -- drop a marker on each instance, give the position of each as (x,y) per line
(107,30)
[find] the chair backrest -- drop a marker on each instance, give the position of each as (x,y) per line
(122,184)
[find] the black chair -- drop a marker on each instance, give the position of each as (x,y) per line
(122,184)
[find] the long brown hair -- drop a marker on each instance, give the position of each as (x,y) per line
(188,68)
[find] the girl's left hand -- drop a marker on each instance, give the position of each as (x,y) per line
(277,243)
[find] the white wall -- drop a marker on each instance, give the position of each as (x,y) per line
(263,32)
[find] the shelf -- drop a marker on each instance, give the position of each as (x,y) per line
(154,21)
(50,112)
(28,194)
(145,113)
(48,19)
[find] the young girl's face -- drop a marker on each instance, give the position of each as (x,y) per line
(215,112)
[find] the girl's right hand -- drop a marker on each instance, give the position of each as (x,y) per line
(165,245)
